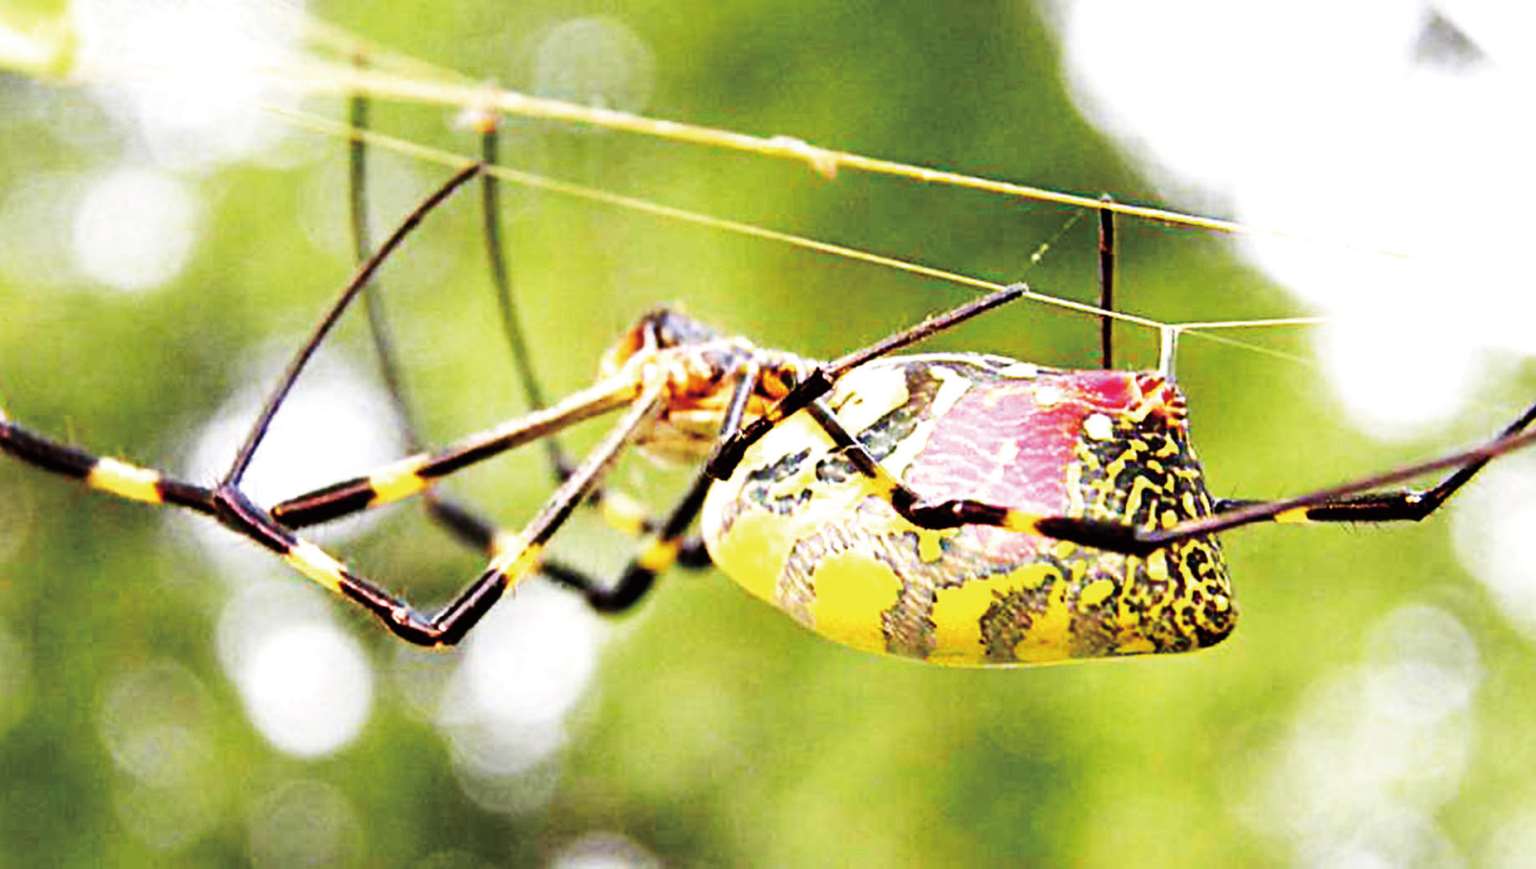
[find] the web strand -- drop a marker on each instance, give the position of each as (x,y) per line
(338,79)
(390,75)
(535,181)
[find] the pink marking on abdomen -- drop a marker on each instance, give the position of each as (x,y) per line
(999,445)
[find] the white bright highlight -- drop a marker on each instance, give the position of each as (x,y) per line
(1375,126)
(336,423)
(135,229)
(193,76)
(307,686)
(308,689)
(1375,750)
(504,708)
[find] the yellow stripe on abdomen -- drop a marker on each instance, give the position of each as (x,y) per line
(853,592)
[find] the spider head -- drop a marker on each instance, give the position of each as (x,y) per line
(657,329)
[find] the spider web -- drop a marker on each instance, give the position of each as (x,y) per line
(392,76)
(292,56)
(398,78)
(331,61)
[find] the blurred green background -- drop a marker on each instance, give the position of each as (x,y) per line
(1373,698)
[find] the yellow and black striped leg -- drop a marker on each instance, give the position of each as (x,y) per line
(443,510)
(463,522)
(1404,505)
(911,506)
(104,474)
(413,474)
(618,509)
(515,555)
(1350,502)
(354,287)
(665,546)
(659,551)
(722,463)
(471,528)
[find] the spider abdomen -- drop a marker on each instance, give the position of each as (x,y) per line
(799,526)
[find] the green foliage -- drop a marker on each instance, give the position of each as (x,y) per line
(716,732)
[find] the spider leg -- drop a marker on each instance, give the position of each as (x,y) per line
(417,473)
(666,545)
(459,519)
(413,474)
(1350,502)
(134,483)
(819,382)
(656,553)
(102,473)
(1400,505)
(907,502)
(515,555)
(258,431)
(506,302)
(617,509)
(1106,285)
(472,529)
(373,293)
(1354,501)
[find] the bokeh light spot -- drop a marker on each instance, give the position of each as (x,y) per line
(36,220)
(193,76)
(1370,154)
(1385,381)
(304,823)
(154,722)
(135,229)
(504,706)
(335,423)
(1492,526)
(308,689)
(604,850)
(167,819)
(1375,749)
(595,61)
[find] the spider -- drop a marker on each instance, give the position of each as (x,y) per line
(958,508)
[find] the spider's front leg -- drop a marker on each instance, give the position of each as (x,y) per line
(417,474)
(819,382)
(515,557)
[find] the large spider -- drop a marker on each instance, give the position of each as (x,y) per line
(959,508)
